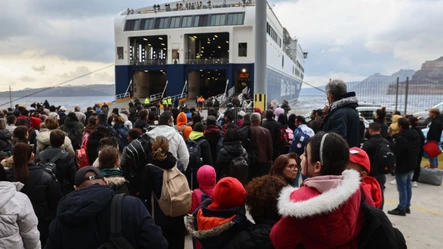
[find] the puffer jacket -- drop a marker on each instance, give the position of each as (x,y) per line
(344,120)
(65,167)
(213,135)
(406,150)
(393,128)
(17,219)
(183,120)
(116,180)
(43,142)
(93,145)
(206,178)
(44,192)
(324,213)
(5,140)
(177,145)
(229,151)
(69,124)
(205,148)
(256,237)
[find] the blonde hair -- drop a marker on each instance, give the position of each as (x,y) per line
(435,110)
(51,122)
(160,148)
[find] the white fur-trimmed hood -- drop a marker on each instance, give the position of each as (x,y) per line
(324,203)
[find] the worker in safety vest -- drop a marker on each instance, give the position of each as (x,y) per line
(200,102)
(170,101)
(147,101)
(165,104)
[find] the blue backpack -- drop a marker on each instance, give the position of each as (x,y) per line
(299,143)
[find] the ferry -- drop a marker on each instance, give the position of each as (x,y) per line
(186,49)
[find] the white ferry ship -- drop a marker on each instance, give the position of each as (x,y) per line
(193,48)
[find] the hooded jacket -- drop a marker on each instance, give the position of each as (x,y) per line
(83,221)
(406,150)
(183,120)
(229,151)
(256,237)
(393,128)
(43,142)
(5,140)
(373,189)
(177,145)
(17,219)
(435,129)
(205,148)
(93,145)
(213,135)
(206,178)
(44,192)
(116,180)
(70,123)
(65,167)
(344,120)
(324,213)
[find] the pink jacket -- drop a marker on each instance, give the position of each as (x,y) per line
(206,178)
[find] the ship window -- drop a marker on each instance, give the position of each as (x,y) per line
(147,24)
(137,25)
(236,19)
(175,22)
(218,20)
(120,53)
(203,20)
(162,23)
(130,25)
(196,21)
(187,21)
(243,49)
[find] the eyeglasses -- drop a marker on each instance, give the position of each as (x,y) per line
(292,166)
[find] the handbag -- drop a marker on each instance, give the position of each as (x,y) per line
(431,148)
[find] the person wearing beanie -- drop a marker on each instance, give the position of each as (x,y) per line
(359,161)
(219,220)
(181,126)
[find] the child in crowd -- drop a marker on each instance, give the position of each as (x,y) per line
(359,161)
(206,178)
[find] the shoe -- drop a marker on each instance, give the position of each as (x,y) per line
(415,184)
(408,210)
(398,212)
(393,182)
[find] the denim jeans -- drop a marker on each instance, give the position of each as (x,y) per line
(434,162)
(404,188)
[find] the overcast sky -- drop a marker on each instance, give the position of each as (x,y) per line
(45,42)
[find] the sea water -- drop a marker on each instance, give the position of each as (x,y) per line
(67,102)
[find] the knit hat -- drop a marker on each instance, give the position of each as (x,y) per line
(35,122)
(228,193)
(360,157)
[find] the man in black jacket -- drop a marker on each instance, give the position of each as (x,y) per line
(370,146)
(65,165)
(413,121)
(342,117)
(434,133)
(83,217)
(407,149)
(273,127)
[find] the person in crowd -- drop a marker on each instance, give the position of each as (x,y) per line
(286,134)
(393,128)
(285,106)
(142,120)
(216,104)
(200,102)
(291,121)
(5,138)
(274,128)
(413,121)
(370,147)
(406,150)
(318,121)
(127,121)
(197,136)
(261,200)
(182,126)
(106,141)
(261,147)
(20,134)
(277,112)
(53,112)
(94,142)
(247,120)
(152,118)
(41,187)
(10,123)
(43,139)
(90,127)
(342,117)
(65,163)
(207,178)
(240,120)
(359,161)
(380,117)
(330,193)
(173,228)
(109,166)
(434,133)
(196,118)
(232,149)
(84,217)
(35,127)
(228,118)
(177,145)
(17,218)
(286,167)
(312,118)
(213,134)
(81,117)
(218,220)
(212,112)
(121,131)
(74,128)
(133,134)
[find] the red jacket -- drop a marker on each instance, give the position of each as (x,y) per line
(324,213)
(372,188)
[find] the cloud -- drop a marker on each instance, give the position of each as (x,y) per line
(41,68)
(26,78)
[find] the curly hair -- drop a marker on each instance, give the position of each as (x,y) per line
(160,148)
(262,197)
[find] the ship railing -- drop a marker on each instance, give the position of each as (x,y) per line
(156,96)
(122,95)
(208,61)
(148,62)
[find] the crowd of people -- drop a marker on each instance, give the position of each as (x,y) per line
(68,178)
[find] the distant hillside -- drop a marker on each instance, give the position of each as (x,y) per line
(66,91)
(430,72)
(378,83)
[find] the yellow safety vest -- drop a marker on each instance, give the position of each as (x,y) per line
(147,101)
(164,102)
(169,101)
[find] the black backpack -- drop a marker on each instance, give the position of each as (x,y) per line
(377,231)
(195,161)
(74,137)
(239,169)
(116,240)
(384,157)
(50,166)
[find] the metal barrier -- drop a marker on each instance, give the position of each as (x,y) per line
(122,95)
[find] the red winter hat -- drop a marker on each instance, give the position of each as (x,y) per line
(228,193)
(35,122)
(256,109)
(360,157)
